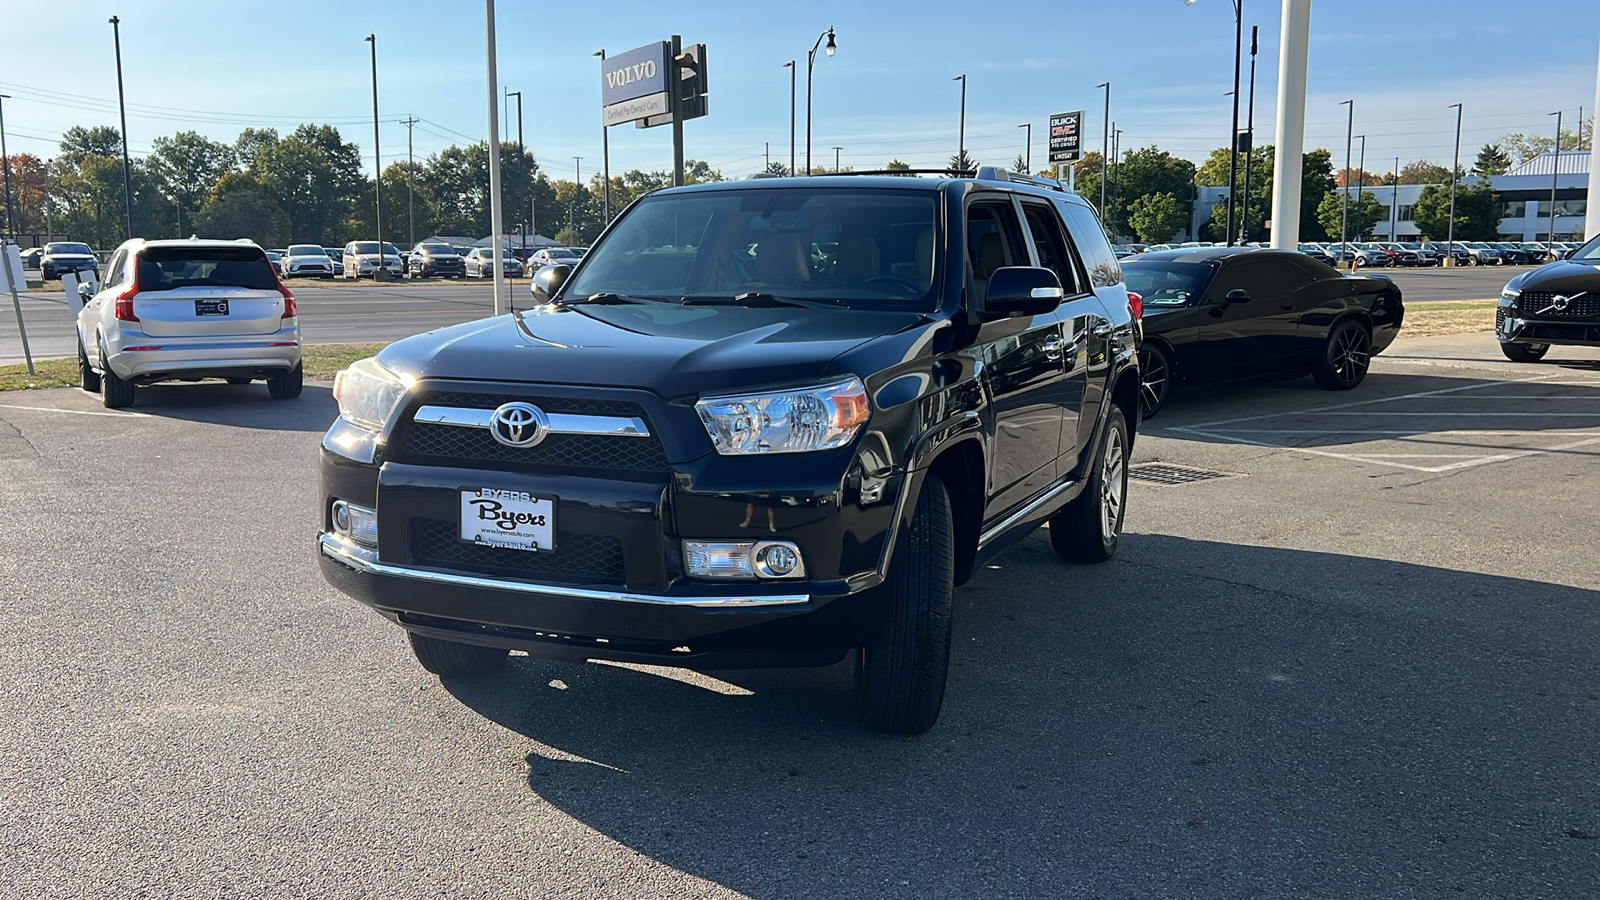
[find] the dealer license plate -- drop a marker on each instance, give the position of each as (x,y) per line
(211,307)
(514,520)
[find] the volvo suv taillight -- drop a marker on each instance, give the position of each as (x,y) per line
(124,308)
(1136,305)
(290,308)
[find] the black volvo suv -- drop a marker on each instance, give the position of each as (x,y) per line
(761,423)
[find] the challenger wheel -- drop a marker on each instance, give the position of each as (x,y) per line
(1346,357)
(1155,378)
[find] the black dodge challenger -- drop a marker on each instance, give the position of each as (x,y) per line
(1216,314)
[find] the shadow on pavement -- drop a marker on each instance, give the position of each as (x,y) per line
(1304,723)
(241,406)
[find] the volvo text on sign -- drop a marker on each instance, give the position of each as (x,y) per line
(634,84)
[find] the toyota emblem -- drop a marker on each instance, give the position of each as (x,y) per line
(519,424)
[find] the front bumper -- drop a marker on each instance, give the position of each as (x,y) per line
(1517,328)
(318,270)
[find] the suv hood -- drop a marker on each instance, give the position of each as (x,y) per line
(1561,275)
(675,351)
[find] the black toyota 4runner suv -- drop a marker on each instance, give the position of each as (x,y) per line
(762,423)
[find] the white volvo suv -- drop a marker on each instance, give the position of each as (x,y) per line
(187,310)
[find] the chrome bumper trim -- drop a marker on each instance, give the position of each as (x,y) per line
(366,561)
(560,423)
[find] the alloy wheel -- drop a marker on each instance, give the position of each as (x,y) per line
(1153,379)
(1351,354)
(1113,486)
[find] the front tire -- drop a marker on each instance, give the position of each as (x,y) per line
(287,384)
(1525,353)
(1089,529)
(900,676)
(451,658)
(1345,359)
(1155,378)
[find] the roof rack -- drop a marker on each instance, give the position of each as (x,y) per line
(982,173)
(948,173)
(990,173)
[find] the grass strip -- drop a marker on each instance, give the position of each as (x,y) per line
(319,360)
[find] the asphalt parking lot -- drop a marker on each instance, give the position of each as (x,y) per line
(1359,661)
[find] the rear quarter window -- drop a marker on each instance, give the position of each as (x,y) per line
(1090,236)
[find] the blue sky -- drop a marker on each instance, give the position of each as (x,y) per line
(218,66)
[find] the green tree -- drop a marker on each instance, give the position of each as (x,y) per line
(776,168)
(1365,212)
(239,207)
(896,165)
(1477,212)
(1491,161)
(1524,147)
(249,143)
(78,142)
(1156,217)
(1424,171)
(963,162)
(187,167)
(1316,180)
(696,171)
(316,179)
(1020,165)
(1148,170)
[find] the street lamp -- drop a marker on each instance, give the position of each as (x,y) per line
(811,59)
(1455,166)
(5,162)
(961,135)
(1233,136)
(1344,205)
(127,167)
(1250,144)
(1105,145)
(836,159)
(1361,178)
(577,186)
(382,272)
(790,66)
(1555,174)
(605,145)
(1027,148)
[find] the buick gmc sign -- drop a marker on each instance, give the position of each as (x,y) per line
(634,84)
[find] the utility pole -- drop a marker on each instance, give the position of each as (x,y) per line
(961,137)
(577,191)
(1394,202)
(1250,146)
(497,254)
(1555,172)
(605,151)
(49,230)
(1288,154)
(836,159)
(792,70)
(5,161)
(1591,221)
(411,177)
(1027,147)
(1105,147)
(127,167)
(1344,206)
(522,159)
(1455,166)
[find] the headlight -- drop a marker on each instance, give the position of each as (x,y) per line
(819,418)
(1510,296)
(369,394)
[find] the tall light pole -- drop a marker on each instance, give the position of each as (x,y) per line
(836,159)
(1591,221)
(1455,166)
(522,158)
(382,273)
(411,178)
(1394,202)
(497,253)
(961,135)
(790,65)
(1105,146)
(122,109)
(1027,146)
(1288,153)
(811,60)
(1344,206)
(1555,172)
(5,162)
(605,147)
(1116,176)
(1233,136)
(577,185)
(49,230)
(1250,147)
(1361,177)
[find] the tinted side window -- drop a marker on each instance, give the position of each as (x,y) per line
(115,271)
(1050,246)
(1262,278)
(1087,233)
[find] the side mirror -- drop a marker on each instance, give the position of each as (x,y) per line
(85,294)
(548,280)
(1023,291)
(1237,296)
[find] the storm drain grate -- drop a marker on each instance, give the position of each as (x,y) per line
(1161,473)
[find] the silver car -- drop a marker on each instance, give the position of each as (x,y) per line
(188,310)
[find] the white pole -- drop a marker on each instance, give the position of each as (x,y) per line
(1591,219)
(1294,46)
(497,259)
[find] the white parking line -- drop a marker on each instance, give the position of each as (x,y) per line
(77,412)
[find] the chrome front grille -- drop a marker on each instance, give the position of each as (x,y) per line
(1535,304)
(433,443)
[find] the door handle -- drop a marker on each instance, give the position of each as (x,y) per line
(1104,329)
(1053,346)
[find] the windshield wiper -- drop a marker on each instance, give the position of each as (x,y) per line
(610,298)
(754,299)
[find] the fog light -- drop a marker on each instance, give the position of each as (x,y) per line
(355,523)
(745,560)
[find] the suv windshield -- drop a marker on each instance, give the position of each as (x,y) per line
(170,268)
(68,248)
(862,248)
(371,247)
(1163,283)
(434,248)
(306,251)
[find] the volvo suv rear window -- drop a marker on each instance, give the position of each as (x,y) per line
(170,268)
(864,249)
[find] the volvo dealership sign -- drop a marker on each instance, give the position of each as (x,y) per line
(636,84)
(1066,138)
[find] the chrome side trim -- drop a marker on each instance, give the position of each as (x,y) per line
(1029,509)
(560,423)
(366,561)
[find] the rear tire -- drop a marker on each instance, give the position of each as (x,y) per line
(1155,378)
(900,676)
(451,658)
(286,385)
(1089,529)
(115,392)
(88,378)
(1346,357)
(1525,352)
